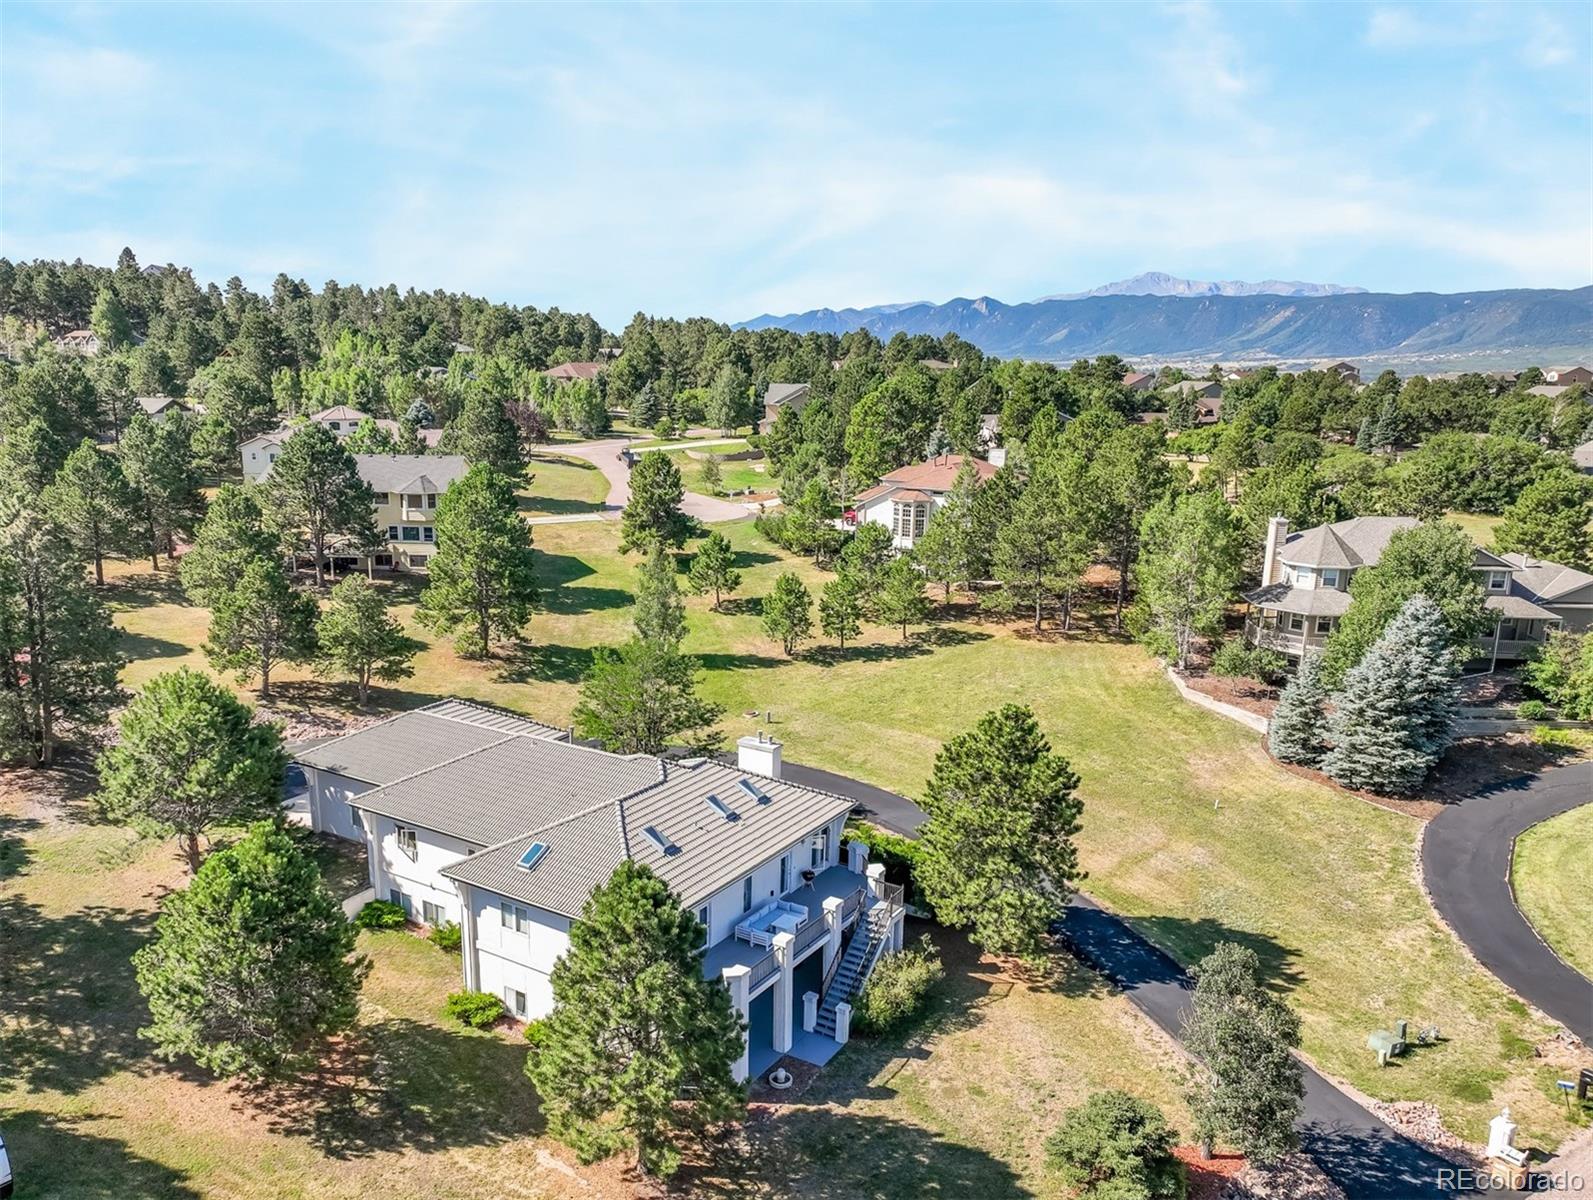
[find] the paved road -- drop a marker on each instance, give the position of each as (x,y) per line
(1365,1157)
(1466,861)
(605,456)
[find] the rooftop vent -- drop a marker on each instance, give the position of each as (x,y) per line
(723,809)
(753,790)
(533,855)
(664,845)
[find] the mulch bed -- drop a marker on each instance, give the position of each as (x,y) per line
(763,1101)
(1208,1179)
(1253,697)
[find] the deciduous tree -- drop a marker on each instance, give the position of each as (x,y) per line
(1188,570)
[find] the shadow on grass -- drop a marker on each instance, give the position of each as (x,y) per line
(572,601)
(405,1085)
(530,662)
(54,1156)
(143,590)
(66,787)
(556,506)
(1190,940)
(140,646)
(15,854)
(714,661)
(741,606)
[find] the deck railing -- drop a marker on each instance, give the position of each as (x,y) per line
(765,968)
(814,931)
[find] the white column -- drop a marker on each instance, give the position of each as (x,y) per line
(784,952)
(896,930)
(467,938)
(876,880)
(832,921)
(843,1022)
(312,780)
(857,856)
(736,979)
(810,1011)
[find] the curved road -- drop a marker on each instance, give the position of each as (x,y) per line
(605,456)
(1466,863)
(1364,1156)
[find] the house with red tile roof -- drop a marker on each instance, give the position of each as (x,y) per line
(904,500)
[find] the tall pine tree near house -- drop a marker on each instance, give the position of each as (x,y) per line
(356,636)
(314,494)
(1551,519)
(639,1048)
(652,514)
(252,966)
(641,698)
(232,535)
(840,610)
(713,568)
(1188,570)
(1298,730)
(93,503)
(996,856)
(952,551)
(260,623)
(188,759)
(1394,717)
(158,462)
(900,599)
(788,612)
(659,613)
(484,433)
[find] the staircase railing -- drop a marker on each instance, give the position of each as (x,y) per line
(873,929)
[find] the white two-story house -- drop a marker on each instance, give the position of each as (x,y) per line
(904,500)
(505,827)
(1305,582)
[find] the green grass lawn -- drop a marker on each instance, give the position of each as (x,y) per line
(1478,526)
(561,484)
(1550,872)
(750,475)
(1189,828)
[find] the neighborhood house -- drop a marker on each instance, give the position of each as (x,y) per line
(904,500)
(504,826)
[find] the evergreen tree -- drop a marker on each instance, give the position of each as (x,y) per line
(109,322)
(370,438)
(996,856)
(646,408)
(1394,718)
(841,609)
(482,579)
(713,568)
(1130,476)
(357,636)
(259,623)
(1552,519)
(1188,570)
(59,655)
(232,535)
(158,461)
(92,502)
(788,612)
(484,433)
(864,559)
(901,600)
(315,494)
(188,759)
(1363,435)
(952,550)
(1244,1034)
(1038,561)
(659,613)
(253,965)
(639,1047)
(641,697)
(1116,1146)
(1298,729)
(729,403)
(30,456)
(653,512)
(712,476)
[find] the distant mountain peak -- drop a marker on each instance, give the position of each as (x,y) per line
(1159,283)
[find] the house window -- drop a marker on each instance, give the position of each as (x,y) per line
(1324,625)
(432,914)
(411,533)
(702,919)
(413,501)
(378,497)
(514,918)
(427,533)
(273,458)
(417,560)
(785,874)
(1296,622)
(514,1001)
(746,894)
(431,500)
(384,560)
(392,533)
(1509,631)
(821,848)
(406,842)
(1498,580)
(403,902)
(1330,577)
(1304,577)
(354,816)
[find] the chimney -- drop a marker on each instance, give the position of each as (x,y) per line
(759,755)
(1277,532)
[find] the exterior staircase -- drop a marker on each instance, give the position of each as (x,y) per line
(856,963)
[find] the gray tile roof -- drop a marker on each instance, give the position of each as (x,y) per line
(1310,602)
(709,852)
(1546,581)
(154,405)
(785,393)
(410,472)
(415,741)
(1361,539)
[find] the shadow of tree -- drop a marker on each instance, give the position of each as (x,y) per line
(56,1156)
(556,506)
(741,606)
(1374,1164)
(139,646)
(572,601)
(531,662)
(143,590)
(716,661)
(15,853)
(1190,940)
(67,786)
(401,1084)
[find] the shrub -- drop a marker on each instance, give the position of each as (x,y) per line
(446,937)
(475,1009)
(900,856)
(381,914)
(1236,660)
(1118,1146)
(898,988)
(536,1032)
(1532,710)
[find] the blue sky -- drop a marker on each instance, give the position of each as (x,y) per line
(734,159)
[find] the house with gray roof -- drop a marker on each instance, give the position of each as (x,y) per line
(505,826)
(783,395)
(1305,589)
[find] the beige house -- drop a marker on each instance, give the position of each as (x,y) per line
(1305,582)
(408,488)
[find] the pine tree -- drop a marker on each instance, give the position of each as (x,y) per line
(370,438)
(259,623)
(659,613)
(1551,519)
(901,600)
(482,579)
(996,856)
(641,698)
(232,535)
(639,1047)
(653,512)
(93,503)
(1363,435)
(253,964)
(109,322)
(712,476)
(158,462)
(1036,562)
(952,552)
(1243,1034)
(788,612)
(314,494)
(864,559)
(357,636)
(1298,730)
(840,610)
(1187,572)
(713,568)
(1394,718)
(189,758)
(484,433)
(647,407)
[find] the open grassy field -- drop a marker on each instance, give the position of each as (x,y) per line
(1554,885)
(560,485)
(753,475)
(1189,828)
(1479,526)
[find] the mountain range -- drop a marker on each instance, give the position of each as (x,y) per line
(1239,321)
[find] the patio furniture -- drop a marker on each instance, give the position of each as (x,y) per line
(760,926)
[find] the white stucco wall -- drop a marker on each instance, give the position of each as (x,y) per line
(506,958)
(330,796)
(417,879)
(725,906)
